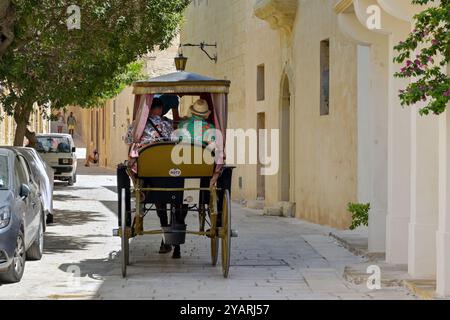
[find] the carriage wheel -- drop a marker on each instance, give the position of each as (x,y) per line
(226,233)
(214,251)
(124,238)
(202,217)
(215,239)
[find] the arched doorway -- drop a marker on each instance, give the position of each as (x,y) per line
(285,141)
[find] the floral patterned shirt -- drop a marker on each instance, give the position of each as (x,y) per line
(150,134)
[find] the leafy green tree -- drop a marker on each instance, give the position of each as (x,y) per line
(51,64)
(426,53)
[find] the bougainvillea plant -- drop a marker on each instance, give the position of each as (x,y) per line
(425,55)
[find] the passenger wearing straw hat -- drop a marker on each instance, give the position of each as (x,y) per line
(197,125)
(195,128)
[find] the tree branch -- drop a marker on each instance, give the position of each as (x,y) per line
(7,19)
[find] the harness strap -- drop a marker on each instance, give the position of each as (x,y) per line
(156,128)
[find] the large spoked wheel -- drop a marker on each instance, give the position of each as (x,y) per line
(215,239)
(214,251)
(225,233)
(124,238)
(202,218)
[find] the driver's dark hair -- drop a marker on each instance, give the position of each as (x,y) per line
(157,103)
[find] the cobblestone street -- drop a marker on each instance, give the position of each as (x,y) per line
(273,258)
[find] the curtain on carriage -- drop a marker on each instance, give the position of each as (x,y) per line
(141,111)
(218,104)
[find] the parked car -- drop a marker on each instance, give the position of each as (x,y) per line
(22,218)
(44,175)
(58,150)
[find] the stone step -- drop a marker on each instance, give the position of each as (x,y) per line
(255,204)
(273,211)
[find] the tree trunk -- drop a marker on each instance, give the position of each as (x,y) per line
(21,116)
(21,129)
(32,140)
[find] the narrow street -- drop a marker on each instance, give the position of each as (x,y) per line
(273,258)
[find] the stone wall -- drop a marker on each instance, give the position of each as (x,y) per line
(319,165)
(8,126)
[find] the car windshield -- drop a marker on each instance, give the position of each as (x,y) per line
(4,176)
(53,145)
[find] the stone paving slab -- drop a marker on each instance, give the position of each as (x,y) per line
(274,258)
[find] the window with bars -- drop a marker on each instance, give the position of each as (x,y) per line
(260,83)
(114,114)
(325,77)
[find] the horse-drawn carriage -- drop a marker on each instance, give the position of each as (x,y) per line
(197,184)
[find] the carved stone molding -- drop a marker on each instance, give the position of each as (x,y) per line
(280,14)
(342,6)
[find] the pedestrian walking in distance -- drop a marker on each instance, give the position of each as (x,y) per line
(71,122)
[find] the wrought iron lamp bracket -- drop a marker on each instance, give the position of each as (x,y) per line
(203,46)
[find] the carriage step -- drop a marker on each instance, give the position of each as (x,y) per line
(234,233)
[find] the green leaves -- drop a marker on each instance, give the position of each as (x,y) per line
(425,54)
(360,214)
(47,62)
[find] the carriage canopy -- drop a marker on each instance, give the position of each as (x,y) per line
(214,91)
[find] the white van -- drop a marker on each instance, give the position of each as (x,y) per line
(58,151)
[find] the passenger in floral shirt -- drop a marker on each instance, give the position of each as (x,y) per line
(157,129)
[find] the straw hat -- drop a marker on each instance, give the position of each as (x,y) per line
(200,108)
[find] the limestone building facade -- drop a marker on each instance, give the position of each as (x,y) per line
(318,72)
(37,123)
(417,228)
(294,72)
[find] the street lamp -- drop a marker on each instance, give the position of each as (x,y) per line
(180,62)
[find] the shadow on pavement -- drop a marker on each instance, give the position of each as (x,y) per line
(71,189)
(96,269)
(64,197)
(71,218)
(111,205)
(57,244)
(111,188)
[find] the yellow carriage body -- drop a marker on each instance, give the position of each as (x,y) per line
(165,171)
(173,160)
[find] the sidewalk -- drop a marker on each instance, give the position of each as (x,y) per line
(356,241)
(273,258)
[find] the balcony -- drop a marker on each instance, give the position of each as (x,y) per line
(280,14)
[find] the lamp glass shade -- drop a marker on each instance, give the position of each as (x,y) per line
(180,63)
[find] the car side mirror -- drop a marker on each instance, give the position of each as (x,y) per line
(24,191)
(74,149)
